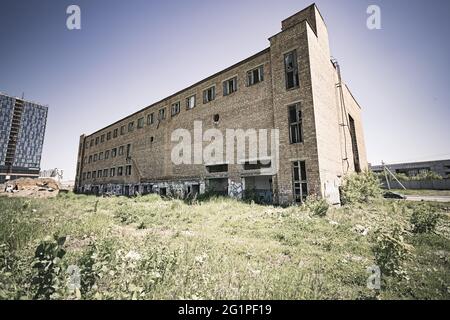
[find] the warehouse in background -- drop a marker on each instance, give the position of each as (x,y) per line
(22,130)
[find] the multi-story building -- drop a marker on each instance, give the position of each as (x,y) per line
(292,86)
(22,130)
(412,169)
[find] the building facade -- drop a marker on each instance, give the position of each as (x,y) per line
(412,169)
(22,130)
(292,87)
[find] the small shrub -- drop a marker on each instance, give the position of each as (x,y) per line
(317,206)
(360,188)
(47,260)
(391,251)
(424,219)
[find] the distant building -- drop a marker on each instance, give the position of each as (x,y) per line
(22,130)
(412,169)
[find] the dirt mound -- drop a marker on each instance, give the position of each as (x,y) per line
(36,188)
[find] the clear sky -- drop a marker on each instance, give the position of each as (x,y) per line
(130,54)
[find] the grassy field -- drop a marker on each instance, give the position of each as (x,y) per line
(150,248)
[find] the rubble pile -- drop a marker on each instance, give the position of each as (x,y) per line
(36,188)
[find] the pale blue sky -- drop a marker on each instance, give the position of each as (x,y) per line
(130,54)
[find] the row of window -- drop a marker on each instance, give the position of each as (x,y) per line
(108,153)
(105,173)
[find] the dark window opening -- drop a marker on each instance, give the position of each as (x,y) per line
(140,124)
(216,118)
(255,76)
(291,70)
(354,144)
(128,151)
(150,119)
(257,165)
(230,86)
(122,130)
(217,168)
(300,183)
(209,94)
(162,114)
(175,108)
(190,102)
(115,133)
(120,171)
(131,126)
(295,124)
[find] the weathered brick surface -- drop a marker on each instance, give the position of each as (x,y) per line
(261,106)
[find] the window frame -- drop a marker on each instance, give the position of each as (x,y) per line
(231,83)
(205,94)
(301,183)
(298,123)
(250,75)
(296,76)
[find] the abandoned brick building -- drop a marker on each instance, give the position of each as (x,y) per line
(292,86)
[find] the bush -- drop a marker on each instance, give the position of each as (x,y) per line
(391,251)
(360,188)
(424,219)
(317,206)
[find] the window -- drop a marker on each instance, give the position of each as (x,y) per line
(95,157)
(216,118)
(114,153)
(190,102)
(105,173)
(90,159)
(131,126)
(122,130)
(354,144)
(162,114)
(84,175)
(209,94)
(140,123)
(92,143)
(112,172)
(102,138)
(115,133)
(85,160)
(255,76)
(100,156)
(257,165)
(97,140)
(128,170)
(106,154)
(94,174)
(217,168)
(175,108)
(89,175)
(150,119)
(108,136)
(99,173)
(121,151)
(299,181)
(128,151)
(295,124)
(230,86)
(291,70)
(120,171)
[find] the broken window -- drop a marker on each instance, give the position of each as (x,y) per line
(102,138)
(115,133)
(300,183)
(255,76)
(97,140)
(105,173)
(122,130)
(114,153)
(94,174)
(291,70)
(100,156)
(120,171)
(121,151)
(112,172)
(209,94)
(128,151)
(190,102)
(250,165)
(106,154)
(92,143)
(162,114)
(354,144)
(175,108)
(217,168)
(128,170)
(99,173)
(131,126)
(95,157)
(90,159)
(140,123)
(230,86)
(150,119)
(295,124)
